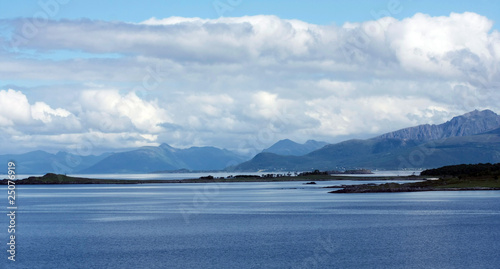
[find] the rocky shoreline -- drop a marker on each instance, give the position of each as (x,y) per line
(443,184)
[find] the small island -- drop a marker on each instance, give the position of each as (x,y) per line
(447,178)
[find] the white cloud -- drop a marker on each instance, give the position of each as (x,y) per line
(14,108)
(192,81)
(419,45)
(338,88)
(110,109)
(43,112)
(372,115)
(265,104)
(423,43)
(83,143)
(104,114)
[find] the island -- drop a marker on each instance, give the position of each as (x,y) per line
(448,178)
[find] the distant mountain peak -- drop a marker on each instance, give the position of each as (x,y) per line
(165,158)
(316,143)
(166,146)
(288,147)
(480,112)
(286,142)
(470,138)
(471,123)
(475,114)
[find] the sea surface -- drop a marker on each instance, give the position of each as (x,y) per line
(249,225)
(162,176)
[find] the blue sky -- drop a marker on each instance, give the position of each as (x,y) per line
(317,12)
(238,74)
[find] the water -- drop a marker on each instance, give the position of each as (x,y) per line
(250,225)
(160,176)
(178,176)
(151,176)
(387,173)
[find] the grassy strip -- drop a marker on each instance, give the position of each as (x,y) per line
(443,184)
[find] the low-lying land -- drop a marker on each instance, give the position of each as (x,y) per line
(448,178)
(63,179)
(451,178)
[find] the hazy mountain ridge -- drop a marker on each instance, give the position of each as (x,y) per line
(165,158)
(348,154)
(141,160)
(288,147)
(470,138)
(42,162)
(471,123)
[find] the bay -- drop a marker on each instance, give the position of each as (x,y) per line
(250,225)
(178,176)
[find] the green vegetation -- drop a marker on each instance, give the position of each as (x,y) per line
(465,170)
(456,177)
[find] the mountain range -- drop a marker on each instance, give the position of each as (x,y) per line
(471,123)
(141,160)
(289,147)
(470,138)
(166,158)
(39,161)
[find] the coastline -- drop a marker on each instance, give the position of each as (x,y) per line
(427,183)
(442,184)
(63,179)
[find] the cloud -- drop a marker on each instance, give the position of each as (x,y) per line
(43,112)
(105,114)
(121,112)
(419,45)
(431,44)
(343,117)
(243,83)
(14,108)
(16,112)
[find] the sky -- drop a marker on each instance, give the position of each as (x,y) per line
(89,77)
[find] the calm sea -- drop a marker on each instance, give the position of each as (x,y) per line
(249,225)
(160,176)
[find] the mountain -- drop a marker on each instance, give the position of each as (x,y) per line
(470,138)
(39,161)
(338,156)
(289,147)
(164,158)
(471,123)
